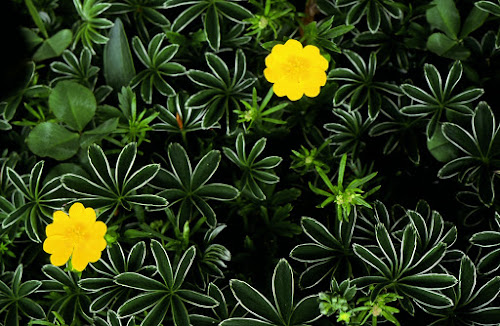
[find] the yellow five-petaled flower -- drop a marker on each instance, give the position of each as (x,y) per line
(296,70)
(78,236)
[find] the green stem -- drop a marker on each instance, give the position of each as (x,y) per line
(184,138)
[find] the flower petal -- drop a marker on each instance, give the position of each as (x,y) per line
(272,75)
(60,225)
(99,229)
(60,247)
(76,210)
(293,45)
(89,215)
(311,90)
(317,60)
(280,89)
(315,77)
(60,258)
(57,243)
(87,252)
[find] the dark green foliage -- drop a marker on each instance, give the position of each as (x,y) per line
(76,69)
(114,188)
(482,149)
(108,294)
(126,107)
(14,299)
(163,296)
(284,311)
(490,262)
(37,202)
(408,274)
(254,171)
(189,187)
(472,304)
(214,11)
(223,93)
(441,101)
(157,61)
(329,254)
(359,85)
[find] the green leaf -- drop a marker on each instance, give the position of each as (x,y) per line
(36,17)
(373,260)
(29,287)
(139,282)
(373,16)
(82,185)
(440,44)
(52,140)
(218,191)
(157,314)
(486,294)
(441,148)
(420,96)
(221,310)
(188,15)
(444,16)
(467,279)
(433,79)
(456,166)
(426,297)
(197,299)
(73,104)
(306,310)
(140,303)
(118,64)
(489,7)
(430,259)
(486,316)
(92,136)
(163,263)
(234,11)
(483,127)
(212,27)
(218,67)
(179,312)
(254,301)
(31,308)
(431,281)
(100,165)
(283,288)
(183,267)
(244,322)
(319,233)
(140,178)
(486,239)
(385,243)
(474,20)
(205,169)
(54,46)
(461,138)
(311,253)
(180,163)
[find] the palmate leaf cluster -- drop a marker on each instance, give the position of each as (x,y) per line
(372,203)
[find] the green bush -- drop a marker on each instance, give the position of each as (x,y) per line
(250,163)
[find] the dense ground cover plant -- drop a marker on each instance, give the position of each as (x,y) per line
(250,163)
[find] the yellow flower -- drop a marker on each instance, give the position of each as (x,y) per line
(295,70)
(77,235)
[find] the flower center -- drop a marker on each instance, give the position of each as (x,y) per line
(79,233)
(295,68)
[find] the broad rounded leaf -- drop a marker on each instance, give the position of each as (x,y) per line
(48,139)
(73,104)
